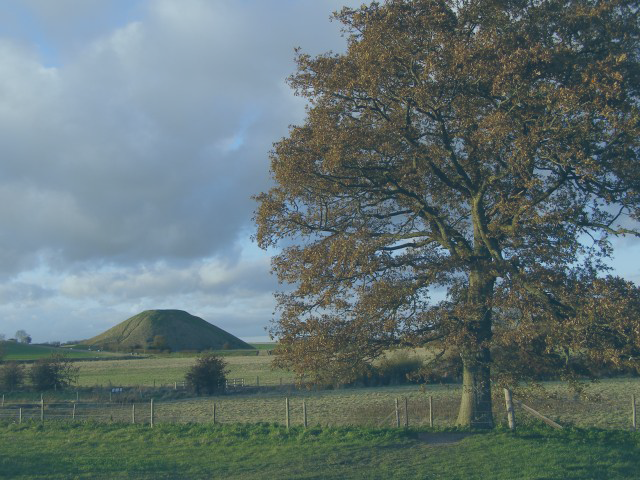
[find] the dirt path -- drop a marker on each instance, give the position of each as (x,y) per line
(443,438)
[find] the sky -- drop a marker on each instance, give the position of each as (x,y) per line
(133,134)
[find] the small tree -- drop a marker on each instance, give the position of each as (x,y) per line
(23,337)
(53,372)
(11,375)
(208,375)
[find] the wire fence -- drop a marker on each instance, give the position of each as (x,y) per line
(406,407)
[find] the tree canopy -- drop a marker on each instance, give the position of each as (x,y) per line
(53,373)
(486,149)
(23,337)
(208,375)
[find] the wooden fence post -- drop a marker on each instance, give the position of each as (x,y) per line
(406,412)
(20,415)
(304,414)
(537,414)
(133,413)
(286,404)
(73,414)
(430,411)
(175,385)
(397,415)
(3,399)
(633,410)
(152,413)
(511,416)
(41,409)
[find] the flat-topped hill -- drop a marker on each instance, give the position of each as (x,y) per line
(175,329)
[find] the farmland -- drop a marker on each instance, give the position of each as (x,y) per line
(352,431)
(608,406)
(19,351)
(604,404)
(169,369)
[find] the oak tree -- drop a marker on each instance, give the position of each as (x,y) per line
(488,149)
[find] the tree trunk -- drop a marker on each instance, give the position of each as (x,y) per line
(475,406)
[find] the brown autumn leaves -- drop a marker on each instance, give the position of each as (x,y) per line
(484,149)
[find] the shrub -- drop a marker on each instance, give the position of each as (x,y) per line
(208,375)
(399,368)
(53,372)
(11,375)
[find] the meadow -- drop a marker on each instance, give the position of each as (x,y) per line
(603,404)
(14,351)
(167,369)
(115,451)
(351,432)
(607,405)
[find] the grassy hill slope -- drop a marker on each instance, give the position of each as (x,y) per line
(175,329)
(20,351)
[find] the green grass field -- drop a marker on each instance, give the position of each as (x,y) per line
(375,407)
(115,451)
(169,369)
(607,404)
(19,351)
(351,432)
(264,345)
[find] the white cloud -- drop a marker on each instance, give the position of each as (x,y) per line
(131,150)
(133,134)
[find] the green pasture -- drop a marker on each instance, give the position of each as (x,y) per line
(169,369)
(117,451)
(264,345)
(604,404)
(20,351)
(608,405)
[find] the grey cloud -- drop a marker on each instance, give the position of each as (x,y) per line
(216,279)
(133,135)
(127,145)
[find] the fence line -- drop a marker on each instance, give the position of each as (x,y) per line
(603,406)
(329,408)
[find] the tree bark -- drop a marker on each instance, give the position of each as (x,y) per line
(475,406)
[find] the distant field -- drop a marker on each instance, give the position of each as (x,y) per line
(264,345)
(604,404)
(20,351)
(170,369)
